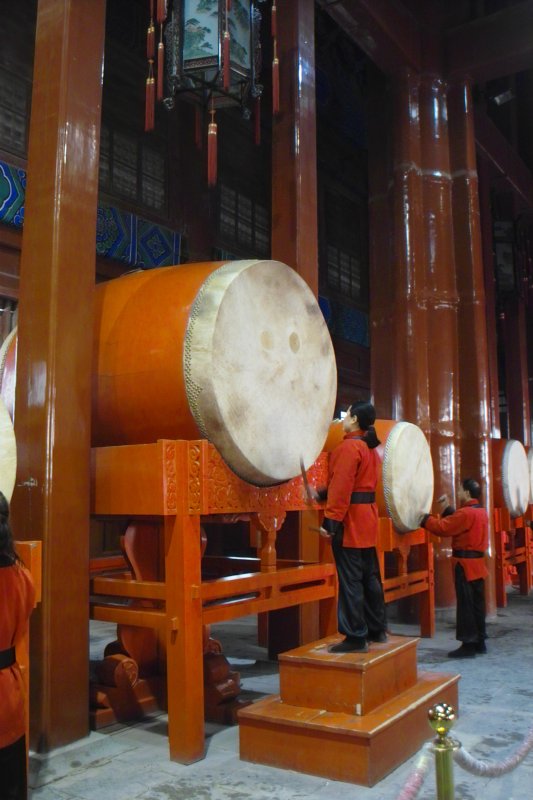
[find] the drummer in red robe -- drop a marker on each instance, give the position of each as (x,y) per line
(351,521)
(16,603)
(468,526)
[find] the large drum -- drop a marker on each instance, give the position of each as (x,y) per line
(510,471)
(406,486)
(237,352)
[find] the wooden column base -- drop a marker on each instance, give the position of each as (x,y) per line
(360,747)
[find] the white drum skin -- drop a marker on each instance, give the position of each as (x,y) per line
(8,453)
(511,478)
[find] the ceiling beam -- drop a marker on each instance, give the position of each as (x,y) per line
(493,46)
(386,31)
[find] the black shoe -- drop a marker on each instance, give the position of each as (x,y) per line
(481,648)
(467,650)
(349,646)
(379,638)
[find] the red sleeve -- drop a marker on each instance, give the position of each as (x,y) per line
(453,525)
(26,594)
(345,461)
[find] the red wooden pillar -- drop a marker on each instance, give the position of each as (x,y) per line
(381,236)
(490,293)
(410,347)
(516,370)
(294,215)
(441,307)
(52,422)
(294,185)
(474,382)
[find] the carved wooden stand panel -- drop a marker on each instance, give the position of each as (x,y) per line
(514,552)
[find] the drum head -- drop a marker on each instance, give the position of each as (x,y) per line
(8,453)
(260,370)
(8,366)
(407,476)
(515,478)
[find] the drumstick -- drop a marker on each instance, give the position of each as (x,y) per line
(305,481)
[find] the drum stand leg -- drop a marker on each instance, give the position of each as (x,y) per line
(185,688)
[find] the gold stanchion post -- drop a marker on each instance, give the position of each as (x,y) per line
(441,718)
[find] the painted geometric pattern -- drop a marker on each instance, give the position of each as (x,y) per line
(115,234)
(12,191)
(157,246)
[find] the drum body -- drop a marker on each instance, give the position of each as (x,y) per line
(238,353)
(406,486)
(511,479)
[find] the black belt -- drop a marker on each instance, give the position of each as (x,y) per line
(468,553)
(7,658)
(362,497)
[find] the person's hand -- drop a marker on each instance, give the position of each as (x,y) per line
(443,501)
(324,533)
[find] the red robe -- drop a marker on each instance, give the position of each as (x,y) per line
(469,527)
(17,598)
(353,467)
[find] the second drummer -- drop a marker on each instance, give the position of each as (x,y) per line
(469,528)
(351,520)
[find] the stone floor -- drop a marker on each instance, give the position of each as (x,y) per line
(130,763)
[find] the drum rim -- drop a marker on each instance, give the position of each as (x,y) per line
(515,510)
(231,450)
(387,493)
(4,350)
(8,490)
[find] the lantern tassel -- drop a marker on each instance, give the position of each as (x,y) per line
(212,151)
(275,86)
(161,11)
(149,114)
(226,61)
(150,41)
(160,65)
(274,20)
(257,121)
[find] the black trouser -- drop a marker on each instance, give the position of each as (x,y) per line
(470,619)
(361,605)
(13,782)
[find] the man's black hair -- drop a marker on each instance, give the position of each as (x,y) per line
(471,486)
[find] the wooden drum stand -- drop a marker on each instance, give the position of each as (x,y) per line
(177,484)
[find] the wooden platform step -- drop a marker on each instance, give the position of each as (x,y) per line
(344,747)
(352,683)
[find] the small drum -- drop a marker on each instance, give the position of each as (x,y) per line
(8,453)
(511,478)
(405,490)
